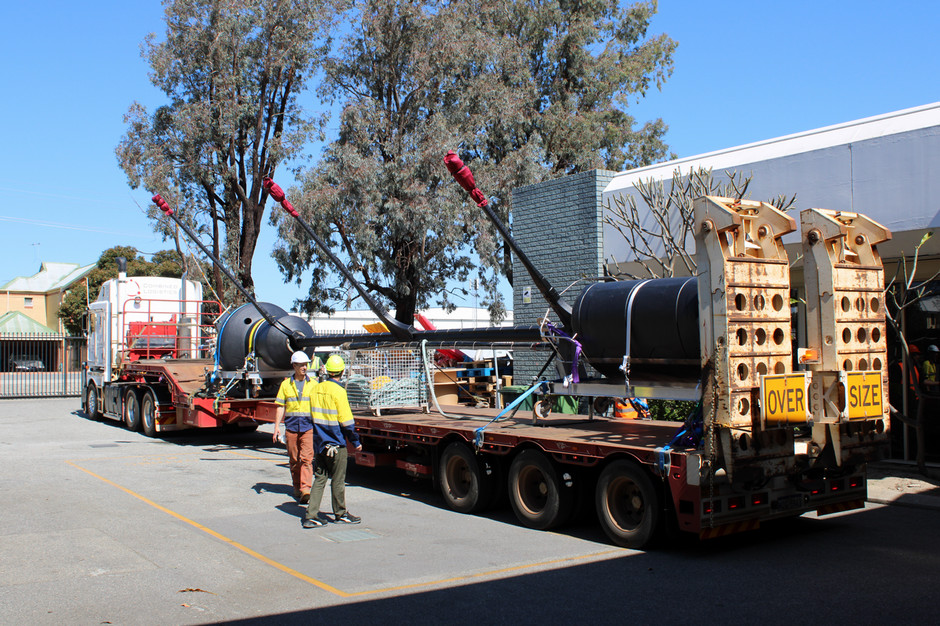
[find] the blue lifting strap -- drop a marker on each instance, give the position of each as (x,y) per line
(478,433)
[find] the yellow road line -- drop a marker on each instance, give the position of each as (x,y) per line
(320,584)
(231,542)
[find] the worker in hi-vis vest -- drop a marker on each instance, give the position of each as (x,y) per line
(334,426)
(293,409)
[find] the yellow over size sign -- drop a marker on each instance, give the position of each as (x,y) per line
(784,398)
(863,395)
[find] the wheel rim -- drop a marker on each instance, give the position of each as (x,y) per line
(131,408)
(532,490)
(625,504)
(91,401)
(459,477)
(148,413)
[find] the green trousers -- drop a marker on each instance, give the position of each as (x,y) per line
(332,468)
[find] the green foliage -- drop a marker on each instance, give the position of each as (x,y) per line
(232,72)
(523,89)
(671,410)
(165,263)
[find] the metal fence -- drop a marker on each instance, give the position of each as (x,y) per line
(40,365)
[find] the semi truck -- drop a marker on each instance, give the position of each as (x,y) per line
(154,361)
(777,430)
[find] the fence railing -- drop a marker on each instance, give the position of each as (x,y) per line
(40,365)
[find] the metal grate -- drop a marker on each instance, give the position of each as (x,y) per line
(382,379)
(40,365)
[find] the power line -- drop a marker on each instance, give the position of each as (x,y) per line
(23,220)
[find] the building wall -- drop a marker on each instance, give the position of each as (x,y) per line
(558,224)
(53,302)
(16,301)
(890,177)
(883,167)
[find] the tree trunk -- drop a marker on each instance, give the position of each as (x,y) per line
(216,271)
(251,227)
(405,308)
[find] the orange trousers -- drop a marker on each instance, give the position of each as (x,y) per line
(300,453)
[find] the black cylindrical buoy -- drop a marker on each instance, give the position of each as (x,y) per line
(664,324)
(269,342)
(273,346)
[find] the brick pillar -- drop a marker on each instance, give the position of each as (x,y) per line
(559,225)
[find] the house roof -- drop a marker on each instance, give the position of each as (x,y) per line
(17,322)
(51,277)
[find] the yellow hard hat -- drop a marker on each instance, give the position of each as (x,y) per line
(335,364)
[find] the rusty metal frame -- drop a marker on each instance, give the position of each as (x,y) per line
(845,325)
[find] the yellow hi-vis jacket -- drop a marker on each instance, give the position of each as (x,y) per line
(296,402)
(332,418)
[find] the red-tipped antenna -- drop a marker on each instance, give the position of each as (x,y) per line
(162,205)
(464,176)
(401,331)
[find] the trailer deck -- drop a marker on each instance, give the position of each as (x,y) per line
(571,438)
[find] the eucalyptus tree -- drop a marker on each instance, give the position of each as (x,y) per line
(232,72)
(522,89)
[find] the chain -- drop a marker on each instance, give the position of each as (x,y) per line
(712,442)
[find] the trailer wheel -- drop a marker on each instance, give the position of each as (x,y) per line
(132,410)
(148,414)
(91,402)
(467,484)
(539,496)
(627,504)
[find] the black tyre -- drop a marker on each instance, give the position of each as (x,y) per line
(541,409)
(467,482)
(602,405)
(540,496)
(148,414)
(132,410)
(91,402)
(628,504)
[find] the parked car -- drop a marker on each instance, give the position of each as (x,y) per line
(26,363)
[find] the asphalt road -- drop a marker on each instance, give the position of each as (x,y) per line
(100,525)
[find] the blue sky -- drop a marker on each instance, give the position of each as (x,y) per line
(744,72)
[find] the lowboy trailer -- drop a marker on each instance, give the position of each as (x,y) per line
(774,434)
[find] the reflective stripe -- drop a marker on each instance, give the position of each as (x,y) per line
(288,395)
(297,403)
(332,420)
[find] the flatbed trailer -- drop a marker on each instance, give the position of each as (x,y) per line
(777,432)
(166,395)
(780,432)
(150,363)
(551,467)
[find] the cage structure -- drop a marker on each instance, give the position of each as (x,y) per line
(385,379)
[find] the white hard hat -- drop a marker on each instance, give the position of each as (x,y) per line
(299,357)
(932,348)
